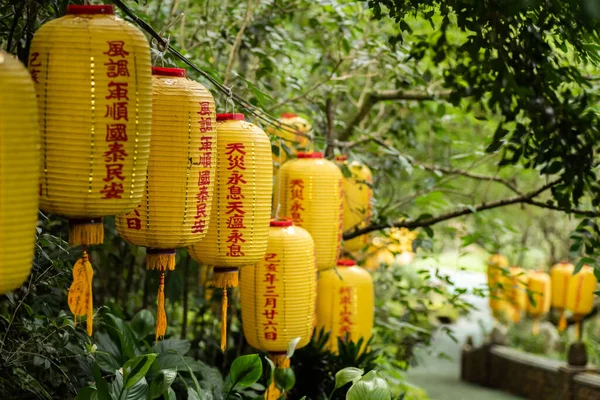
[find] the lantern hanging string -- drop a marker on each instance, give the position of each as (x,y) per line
(255,111)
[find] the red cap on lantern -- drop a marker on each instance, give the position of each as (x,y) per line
(341,157)
(314,154)
(176,72)
(282,223)
(345,262)
(288,115)
(228,117)
(107,9)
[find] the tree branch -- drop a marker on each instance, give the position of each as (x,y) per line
(576,211)
(411,224)
(237,42)
(329,110)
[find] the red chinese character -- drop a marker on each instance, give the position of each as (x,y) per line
(297,218)
(113,191)
(271,302)
(200,210)
(115,153)
(236,178)
(134,223)
(117,111)
(297,182)
(116,68)
(236,236)
(231,147)
(271,257)
(272,267)
(33,61)
(346,300)
(235,193)
(346,320)
(270,278)
(270,335)
(205,160)
(270,314)
(114,171)
(204,108)
(118,91)
(205,143)
(235,206)
(202,194)
(345,329)
(116,133)
(35,75)
(346,290)
(205,124)
(236,162)
(204,178)
(116,48)
(235,250)
(297,193)
(199,226)
(236,222)
(296,207)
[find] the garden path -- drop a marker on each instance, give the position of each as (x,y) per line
(440,377)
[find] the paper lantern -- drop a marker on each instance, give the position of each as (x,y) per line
(293,142)
(516,291)
(357,197)
(495,265)
(239,223)
(539,286)
(94,90)
(559,276)
(345,303)
(19,172)
(309,189)
(580,295)
(176,204)
(278,293)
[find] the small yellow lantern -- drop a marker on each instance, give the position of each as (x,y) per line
(94,90)
(310,191)
(357,194)
(19,172)
(580,298)
(516,291)
(495,266)
(176,205)
(241,211)
(278,293)
(294,142)
(560,275)
(345,303)
(539,286)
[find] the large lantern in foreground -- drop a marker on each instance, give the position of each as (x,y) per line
(559,276)
(345,303)
(539,286)
(278,293)
(357,201)
(580,295)
(241,210)
(93,80)
(19,172)
(309,190)
(298,141)
(176,205)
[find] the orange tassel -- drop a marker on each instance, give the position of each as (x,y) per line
(536,327)
(161,315)
(225,278)
(562,322)
(80,298)
(224,321)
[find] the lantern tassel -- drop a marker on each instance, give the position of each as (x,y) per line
(225,278)
(562,322)
(224,321)
(536,327)
(161,315)
(281,361)
(160,259)
(86,232)
(80,298)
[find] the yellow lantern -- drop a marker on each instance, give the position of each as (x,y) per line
(357,201)
(539,286)
(94,90)
(580,295)
(516,291)
(495,265)
(501,309)
(278,293)
(176,205)
(239,223)
(559,275)
(19,172)
(294,142)
(345,303)
(309,190)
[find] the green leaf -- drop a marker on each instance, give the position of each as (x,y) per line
(139,391)
(285,379)
(349,374)
(170,395)
(87,393)
(346,171)
(107,362)
(192,394)
(161,382)
(271,372)
(179,345)
(292,347)
(142,324)
(101,384)
(136,368)
(370,387)
(120,332)
(245,370)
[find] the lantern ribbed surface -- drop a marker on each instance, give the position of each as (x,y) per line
(278,293)
(295,142)
(495,264)
(539,284)
(345,303)
(19,172)
(580,299)
(559,276)
(310,191)
(93,81)
(241,210)
(357,202)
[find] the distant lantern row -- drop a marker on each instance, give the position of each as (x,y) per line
(114,136)
(514,291)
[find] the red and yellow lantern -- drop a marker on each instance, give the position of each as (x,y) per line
(19,172)
(176,204)
(345,303)
(309,190)
(580,295)
(241,210)
(559,276)
(539,286)
(93,81)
